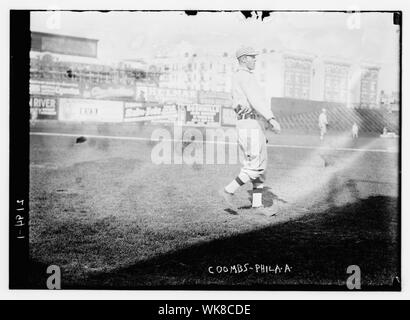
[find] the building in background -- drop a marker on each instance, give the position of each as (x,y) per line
(390,102)
(184,71)
(195,72)
(306,76)
(369,87)
(285,74)
(297,76)
(336,82)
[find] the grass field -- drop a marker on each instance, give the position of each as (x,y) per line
(110,218)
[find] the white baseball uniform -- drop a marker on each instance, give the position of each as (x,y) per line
(251,132)
(322,124)
(355,131)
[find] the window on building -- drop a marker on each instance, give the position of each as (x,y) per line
(336,80)
(368,87)
(297,78)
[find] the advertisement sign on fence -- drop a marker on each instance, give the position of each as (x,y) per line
(44,107)
(90,110)
(203,115)
(139,111)
(166,95)
(108,91)
(53,88)
(105,91)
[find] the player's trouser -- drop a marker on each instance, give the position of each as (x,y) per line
(252,142)
(322,130)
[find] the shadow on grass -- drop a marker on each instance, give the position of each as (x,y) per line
(317,249)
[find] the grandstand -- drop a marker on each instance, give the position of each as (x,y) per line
(63,58)
(47,67)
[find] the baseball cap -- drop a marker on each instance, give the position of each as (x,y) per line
(246,51)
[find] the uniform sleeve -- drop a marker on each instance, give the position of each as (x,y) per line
(255,97)
(234,82)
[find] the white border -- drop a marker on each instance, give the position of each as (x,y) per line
(188,4)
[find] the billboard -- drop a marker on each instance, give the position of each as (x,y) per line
(139,111)
(69,45)
(104,91)
(71,109)
(54,88)
(203,115)
(108,91)
(167,95)
(44,107)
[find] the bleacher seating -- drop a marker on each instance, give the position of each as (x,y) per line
(48,68)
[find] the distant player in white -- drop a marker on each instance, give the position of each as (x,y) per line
(33,116)
(252,113)
(323,124)
(355,131)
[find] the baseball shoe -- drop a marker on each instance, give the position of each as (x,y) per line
(228,198)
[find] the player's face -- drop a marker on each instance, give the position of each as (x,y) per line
(250,62)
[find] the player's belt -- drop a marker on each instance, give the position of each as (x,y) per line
(246,116)
(242,115)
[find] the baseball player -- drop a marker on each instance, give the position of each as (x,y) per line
(355,131)
(252,112)
(33,116)
(323,123)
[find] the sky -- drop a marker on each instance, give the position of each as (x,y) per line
(364,37)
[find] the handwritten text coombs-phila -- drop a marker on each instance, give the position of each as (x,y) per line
(249,267)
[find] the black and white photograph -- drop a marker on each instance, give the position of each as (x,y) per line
(209,150)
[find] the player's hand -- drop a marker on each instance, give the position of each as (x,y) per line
(275,126)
